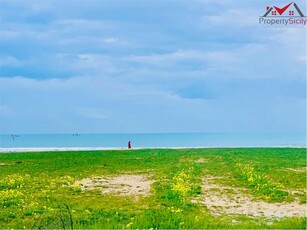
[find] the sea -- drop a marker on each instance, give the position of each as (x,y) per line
(152,140)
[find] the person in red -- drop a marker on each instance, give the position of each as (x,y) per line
(129,144)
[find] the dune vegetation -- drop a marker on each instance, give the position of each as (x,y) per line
(154,189)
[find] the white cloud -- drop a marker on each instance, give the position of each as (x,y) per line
(10,61)
(107,67)
(111,40)
(5,111)
(173,59)
(232,18)
(8,34)
(100,104)
(94,113)
(82,24)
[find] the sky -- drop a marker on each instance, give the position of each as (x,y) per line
(135,66)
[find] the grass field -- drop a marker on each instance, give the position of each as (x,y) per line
(154,188)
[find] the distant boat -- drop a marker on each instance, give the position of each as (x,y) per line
(13,136)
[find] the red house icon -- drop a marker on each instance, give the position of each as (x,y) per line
(276,11)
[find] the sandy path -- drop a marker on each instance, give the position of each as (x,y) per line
(222,199)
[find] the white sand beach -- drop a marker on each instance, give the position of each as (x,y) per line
(63,149)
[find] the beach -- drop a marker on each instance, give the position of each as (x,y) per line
(69,149)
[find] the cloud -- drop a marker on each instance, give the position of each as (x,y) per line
(111,40)
(238,17)
(6,34)
(72,66)
(10,61)
(81,24)
(5,111)
(91,113)
(99,104)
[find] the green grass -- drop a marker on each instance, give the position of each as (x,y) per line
(35,189)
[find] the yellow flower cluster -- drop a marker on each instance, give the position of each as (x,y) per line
(76,186)
(67,180)
(9,194)
(129,225)
(14,181)
(9,197)
(10,189)
(182,183)
(253,177)
(259,182)
(175,210)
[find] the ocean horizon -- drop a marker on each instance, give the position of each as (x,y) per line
(153,140)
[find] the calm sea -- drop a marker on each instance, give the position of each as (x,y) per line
(153,140)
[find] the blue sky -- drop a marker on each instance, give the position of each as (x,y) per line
(79,66)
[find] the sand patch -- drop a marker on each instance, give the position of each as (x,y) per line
(124,185)
(304,169)
(201,160)
(4,164)
(222,199)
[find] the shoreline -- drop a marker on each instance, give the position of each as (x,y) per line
(67,149)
